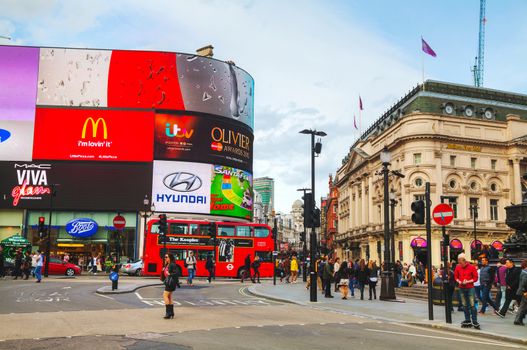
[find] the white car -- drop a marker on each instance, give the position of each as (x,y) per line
(134,268)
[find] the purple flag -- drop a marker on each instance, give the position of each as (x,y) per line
(426,48)
(355,122)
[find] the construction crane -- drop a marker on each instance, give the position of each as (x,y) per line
(480,59)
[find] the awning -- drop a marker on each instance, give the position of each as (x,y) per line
(475,243)
(497,245)
(456,244)
(419,242)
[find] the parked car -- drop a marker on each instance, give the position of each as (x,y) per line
(59,267)
(133,268)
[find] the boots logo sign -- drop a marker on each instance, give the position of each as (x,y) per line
(82,228)
(32,182)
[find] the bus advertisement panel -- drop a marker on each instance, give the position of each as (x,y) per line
(234,242)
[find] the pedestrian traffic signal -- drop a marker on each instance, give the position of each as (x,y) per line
(163,225)
(41,227)
(308,209)
(418,207)
(316,217)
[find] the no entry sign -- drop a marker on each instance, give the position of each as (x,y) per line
(443,214)
(119,222)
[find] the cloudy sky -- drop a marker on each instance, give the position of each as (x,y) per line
(310,59)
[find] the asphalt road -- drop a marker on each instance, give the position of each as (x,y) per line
(363,335)
(217,316)
(79,294)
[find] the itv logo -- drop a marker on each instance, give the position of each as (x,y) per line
(174,131)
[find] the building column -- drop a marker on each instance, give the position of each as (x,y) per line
(371,212)
(517,185)
(364,198)
(439,176)
(357,206)
(353,201)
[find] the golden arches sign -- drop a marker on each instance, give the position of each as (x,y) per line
(95,127)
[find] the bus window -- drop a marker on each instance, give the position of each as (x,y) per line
(179,254)
(243,231)
(202,254)
(204,229)
(179,229)
(226,231)
(194,229)
(155,228)
(265,256)
(261,232)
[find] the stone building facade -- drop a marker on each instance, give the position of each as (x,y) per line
(469,143)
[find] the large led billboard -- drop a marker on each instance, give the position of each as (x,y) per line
(144,79)
(202,139)
(93,134)
(18,91)
(231,192)
(78,185)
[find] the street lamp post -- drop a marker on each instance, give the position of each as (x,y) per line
(474,208)
(387,280)
(315,150)
(304,244)
(48,243)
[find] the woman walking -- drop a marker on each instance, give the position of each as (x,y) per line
(363,275)
(344,275)
(168,276)
(374,277)
(294,269)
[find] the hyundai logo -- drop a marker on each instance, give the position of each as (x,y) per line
(182,182)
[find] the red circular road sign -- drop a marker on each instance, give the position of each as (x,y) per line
(443,214)
(119,222)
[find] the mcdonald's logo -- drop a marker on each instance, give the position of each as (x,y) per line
(95,127)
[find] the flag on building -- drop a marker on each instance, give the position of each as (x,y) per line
(360,104)
(426,48)
(355,122)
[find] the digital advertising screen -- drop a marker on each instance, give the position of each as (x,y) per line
(144,79)
(203,139)
(231,192)
(181,187)
(93,134)
(78,185)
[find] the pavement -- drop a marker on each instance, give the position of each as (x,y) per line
(406,311)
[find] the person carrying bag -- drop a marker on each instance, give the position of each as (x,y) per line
(170,279)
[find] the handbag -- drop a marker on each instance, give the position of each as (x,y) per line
(373,279)
(344,282)
(170,282)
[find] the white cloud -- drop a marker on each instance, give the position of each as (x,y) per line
(308,63)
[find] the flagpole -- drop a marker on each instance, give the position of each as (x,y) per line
(423,68)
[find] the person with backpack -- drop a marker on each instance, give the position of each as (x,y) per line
(190,264)
(209,265)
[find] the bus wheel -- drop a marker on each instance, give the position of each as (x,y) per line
(242,272)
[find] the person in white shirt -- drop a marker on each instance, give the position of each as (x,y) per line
(336,268)
(38,268)
(191,267)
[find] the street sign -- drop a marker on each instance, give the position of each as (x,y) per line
(275,253)
(443,214)
(119,222)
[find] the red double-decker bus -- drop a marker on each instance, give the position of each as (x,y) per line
(234,241)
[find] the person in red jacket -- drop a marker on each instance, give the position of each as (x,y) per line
(465,276)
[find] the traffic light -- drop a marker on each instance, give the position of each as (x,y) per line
(316,217)
(163,225)
(303,237)
(418,207)
(41,227)
(212,230)
(308,209)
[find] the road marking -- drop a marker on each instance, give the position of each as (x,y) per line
(66,287)
(444,338)
(104,296)
(139,296)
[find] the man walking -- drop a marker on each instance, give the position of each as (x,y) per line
(328,277)
(247,264)
(38,268)
(465,275)
(522,292)
(499,280)
(487,278)
(511,283)
(191,267)
(209,265)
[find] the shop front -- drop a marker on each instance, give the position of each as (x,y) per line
(456,248)
(420,248)
(10,223)
(82,235)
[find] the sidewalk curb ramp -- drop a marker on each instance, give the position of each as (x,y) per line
(251,290)
(125,290)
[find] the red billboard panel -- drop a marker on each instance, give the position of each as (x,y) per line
(93,134)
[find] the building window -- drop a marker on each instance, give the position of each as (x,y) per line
(452,160)
(494,209)
(493,163)
(418,182)
(473,202)
(417,158)
(473,185)
(473,163)
(452,201)
(419,197)
(452,184)
(493,187)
